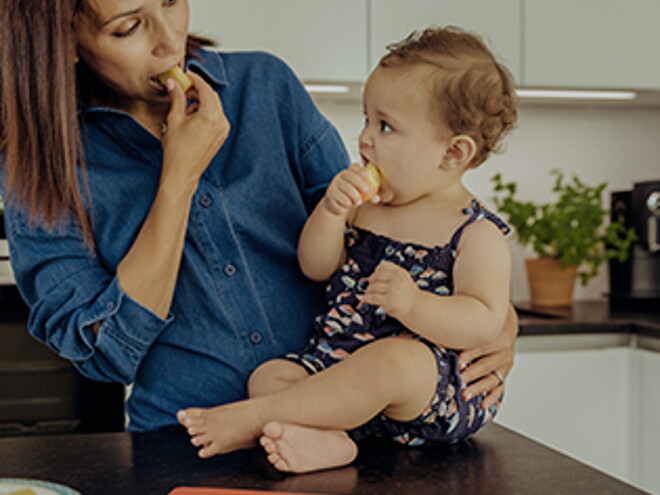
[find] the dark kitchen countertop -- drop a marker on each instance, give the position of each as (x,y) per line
(496,461)
(585,317)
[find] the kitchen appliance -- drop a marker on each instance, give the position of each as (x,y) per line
(41,392)
(635,283)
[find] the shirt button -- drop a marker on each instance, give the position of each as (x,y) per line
(230,270)
(255,337)
(206,201)
(110,306)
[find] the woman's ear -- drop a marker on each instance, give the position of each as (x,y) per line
(460,151)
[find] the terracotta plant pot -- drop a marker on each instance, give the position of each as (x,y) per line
(551,284)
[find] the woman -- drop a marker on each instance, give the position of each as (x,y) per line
(155,240)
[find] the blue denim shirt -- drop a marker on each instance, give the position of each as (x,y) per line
(240,297)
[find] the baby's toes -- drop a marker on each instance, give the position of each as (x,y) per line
(268,445)
(199,440)
(210,449)
(274,458)
(279,462)
(192,417)
(196,430)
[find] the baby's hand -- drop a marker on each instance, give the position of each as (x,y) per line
(392,288)
(347,190)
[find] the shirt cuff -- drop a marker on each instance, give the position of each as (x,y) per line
(123,322)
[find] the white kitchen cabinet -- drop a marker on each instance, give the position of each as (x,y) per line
(592,43)
(649,424)
(575,401)
(322,40)
(497,22)
(592,397)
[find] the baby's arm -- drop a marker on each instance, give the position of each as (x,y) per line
(474,314)
(321,246)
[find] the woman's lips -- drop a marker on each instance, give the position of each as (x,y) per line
(155,82)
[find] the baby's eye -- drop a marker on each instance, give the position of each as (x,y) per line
(385,127)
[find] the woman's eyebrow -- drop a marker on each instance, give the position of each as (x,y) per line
(117,16)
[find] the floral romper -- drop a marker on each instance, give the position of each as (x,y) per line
(349,324)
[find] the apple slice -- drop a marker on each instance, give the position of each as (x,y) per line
(179,77)
(374,178)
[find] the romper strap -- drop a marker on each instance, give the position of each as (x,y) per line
(477,212)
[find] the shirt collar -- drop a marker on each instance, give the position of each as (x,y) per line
(209,64)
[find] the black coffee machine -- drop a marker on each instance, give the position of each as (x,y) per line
(635,283)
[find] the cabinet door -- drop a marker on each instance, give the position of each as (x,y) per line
(592,43)
(650,420)
(575,401)
(497,22)
(322,40)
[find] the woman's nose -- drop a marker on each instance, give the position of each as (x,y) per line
(165,40)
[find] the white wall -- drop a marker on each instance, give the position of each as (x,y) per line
(616,145)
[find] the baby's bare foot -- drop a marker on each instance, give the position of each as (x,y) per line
(299,449)
(221,429)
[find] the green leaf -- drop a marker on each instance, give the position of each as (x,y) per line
(573,229)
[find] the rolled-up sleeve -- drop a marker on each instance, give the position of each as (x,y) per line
(69,291)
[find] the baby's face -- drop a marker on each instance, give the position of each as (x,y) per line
(399,135)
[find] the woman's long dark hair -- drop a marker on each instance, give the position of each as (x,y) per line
(39,100)
(39,110)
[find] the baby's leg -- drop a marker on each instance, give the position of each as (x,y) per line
(205,424)
(397,376)
(295,448)
(287,444)
(273,376)
(301,449)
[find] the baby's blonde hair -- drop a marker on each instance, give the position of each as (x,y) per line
(473,93)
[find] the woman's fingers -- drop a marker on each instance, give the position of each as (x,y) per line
(192,138)
(492,398)
(490,385)
(177,102)
(200,87)
(469,355)
(482,370)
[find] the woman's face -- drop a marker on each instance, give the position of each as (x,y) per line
(127,43)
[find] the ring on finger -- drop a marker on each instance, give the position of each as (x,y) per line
(499,376)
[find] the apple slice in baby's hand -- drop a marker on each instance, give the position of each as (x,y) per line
(179,77)
(374,178)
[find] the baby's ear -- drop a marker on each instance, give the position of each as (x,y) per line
(460,151)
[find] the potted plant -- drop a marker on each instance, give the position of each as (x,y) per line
(569,235)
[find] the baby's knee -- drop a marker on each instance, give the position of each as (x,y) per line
(405,356)
(273,376)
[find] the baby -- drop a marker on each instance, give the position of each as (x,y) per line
(416,273)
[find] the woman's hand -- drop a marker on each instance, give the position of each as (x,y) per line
(482,365)
(346,190)
(194,133)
